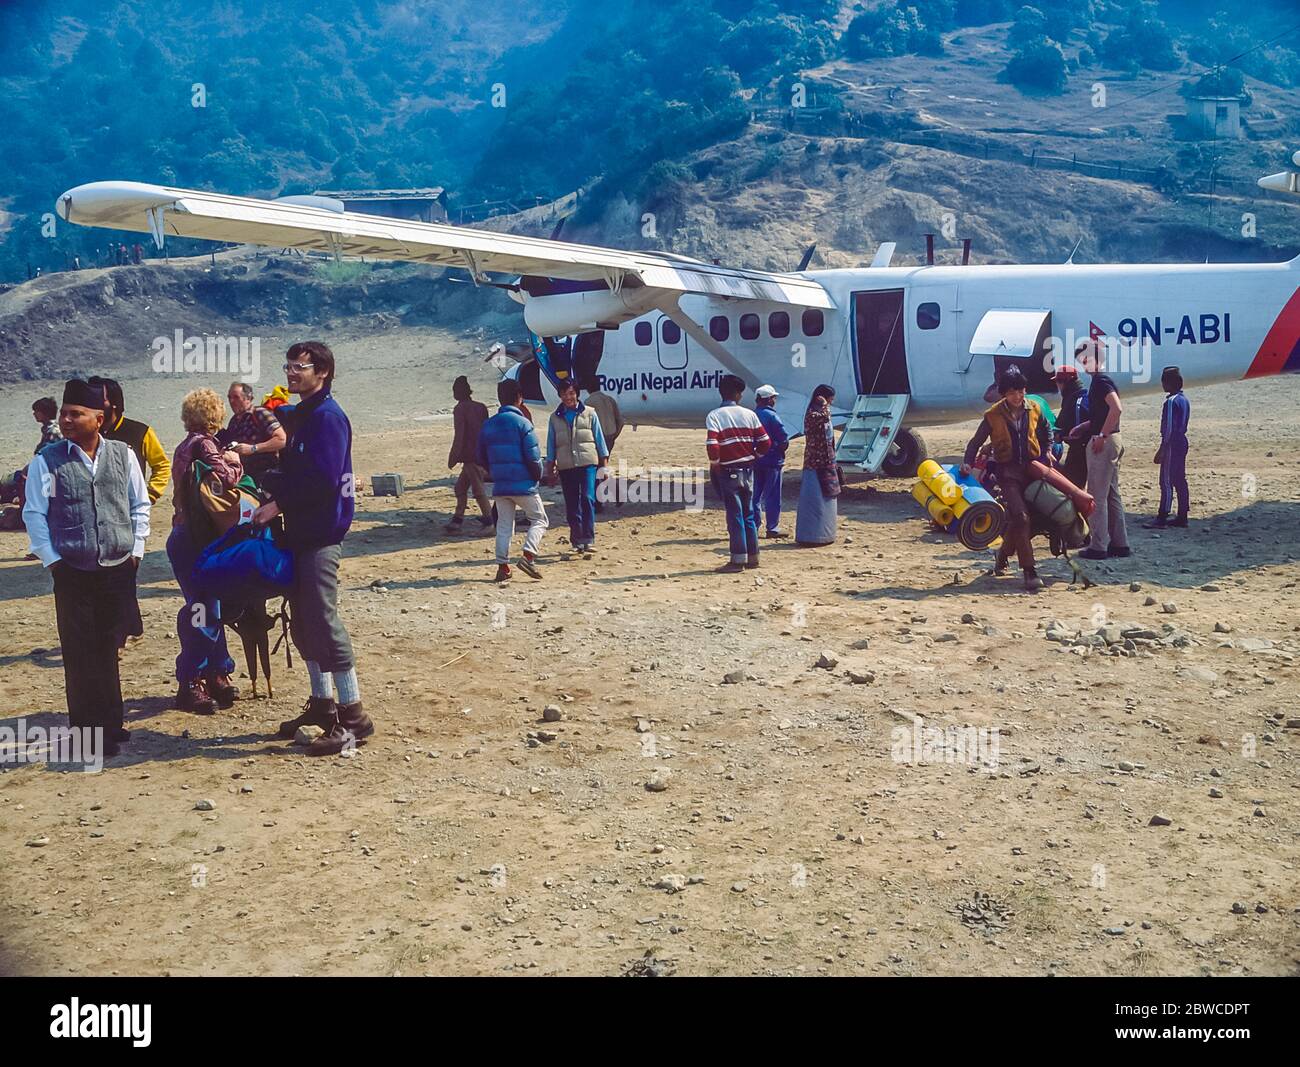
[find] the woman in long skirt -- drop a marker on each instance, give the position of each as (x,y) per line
(818,516)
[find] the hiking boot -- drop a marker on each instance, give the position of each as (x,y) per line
(318,711)
(731,568)
(503,573)
(454,525)
(999,565)
(776,534)
(1180,522)
(751,564)
(1158,523)
(195,697)
(222,690)
(529,568)
(351,727)
(1092,553)
(1119,553)
(1033,583)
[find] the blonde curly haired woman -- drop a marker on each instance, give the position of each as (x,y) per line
(204,664)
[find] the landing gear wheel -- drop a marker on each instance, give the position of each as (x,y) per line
(908,452)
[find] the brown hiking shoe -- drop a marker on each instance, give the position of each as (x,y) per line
(318,711)
(351,727)
(222,690)
(196,698)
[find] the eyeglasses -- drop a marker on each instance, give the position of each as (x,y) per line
(299,366)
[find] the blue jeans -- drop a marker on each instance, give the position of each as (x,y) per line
(579,484)
(198,623)
(736,487)
(767,496)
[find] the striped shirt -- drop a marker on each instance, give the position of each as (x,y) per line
(1174,416)
(735,435)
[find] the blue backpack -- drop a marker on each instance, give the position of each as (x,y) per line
(244,565)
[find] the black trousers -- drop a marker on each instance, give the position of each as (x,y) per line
(95,609)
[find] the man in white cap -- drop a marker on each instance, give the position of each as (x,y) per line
(769,467)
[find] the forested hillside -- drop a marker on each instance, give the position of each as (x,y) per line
(499,101)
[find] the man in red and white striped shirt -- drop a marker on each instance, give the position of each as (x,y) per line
(735,439)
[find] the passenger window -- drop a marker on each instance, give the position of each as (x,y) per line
(672,333)
(644,333)
(927,316)
(719,327)
(778,324)
(813,323)
(749,327)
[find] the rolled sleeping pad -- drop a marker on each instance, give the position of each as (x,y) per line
(937,509)
(940,512)
(981,524)
(1081,498)
(942,485)
(928,470)
(980,518)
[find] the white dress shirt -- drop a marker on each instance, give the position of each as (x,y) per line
(36,509)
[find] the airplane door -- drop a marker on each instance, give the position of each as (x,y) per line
(671,343)
(880,358)
(934,348)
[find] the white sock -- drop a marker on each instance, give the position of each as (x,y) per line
(347,685)
(322,684)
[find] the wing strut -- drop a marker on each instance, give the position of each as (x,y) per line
(670,307)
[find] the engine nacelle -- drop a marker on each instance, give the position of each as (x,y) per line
(561,314)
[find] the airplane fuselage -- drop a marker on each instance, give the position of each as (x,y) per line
(911,329)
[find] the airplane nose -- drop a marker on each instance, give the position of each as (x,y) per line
(109,203)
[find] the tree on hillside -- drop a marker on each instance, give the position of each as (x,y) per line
(1028,25)
(1039,66)
(1143,41)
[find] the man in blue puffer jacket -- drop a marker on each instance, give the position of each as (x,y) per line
(315,492)
(507,446)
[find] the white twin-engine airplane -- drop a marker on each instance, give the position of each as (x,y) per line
(901,346)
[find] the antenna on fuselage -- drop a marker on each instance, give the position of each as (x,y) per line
(1069,260)
(807,257)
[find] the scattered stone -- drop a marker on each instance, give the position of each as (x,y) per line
(735,677)
(967,618)
(827,660)
(1169,608)
(205,805)
(1217,794)
(1210,587)
(552,713)
(1149,602)
(671,883)
(1201,674)
(38,842)
(1259,813)
(659,779)
(1160,820)
(862,677)
(738,887)
(1134,587)
(1125,765)
(1222,628)
(1238,908)
(305,735)
(1115,931)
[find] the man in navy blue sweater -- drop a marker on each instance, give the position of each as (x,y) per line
(315,492)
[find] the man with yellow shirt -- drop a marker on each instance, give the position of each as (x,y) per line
(154,464)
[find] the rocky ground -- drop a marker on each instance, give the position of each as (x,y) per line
(638,766)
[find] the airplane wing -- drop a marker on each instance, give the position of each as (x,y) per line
(290,223)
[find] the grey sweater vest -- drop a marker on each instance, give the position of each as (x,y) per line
(90,518)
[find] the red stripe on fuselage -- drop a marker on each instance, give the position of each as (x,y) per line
(1280,342)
